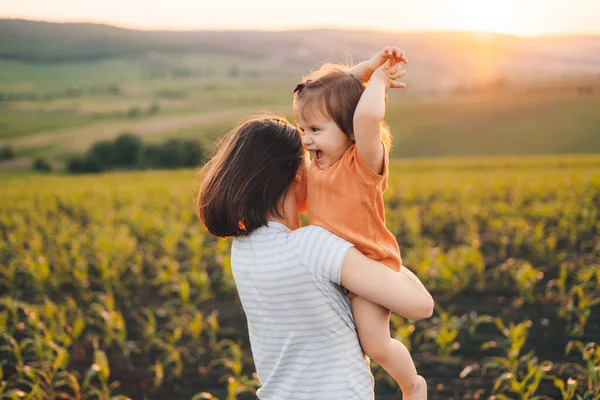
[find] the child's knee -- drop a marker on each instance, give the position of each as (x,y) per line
(377,350)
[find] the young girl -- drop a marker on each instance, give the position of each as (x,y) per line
(342,126)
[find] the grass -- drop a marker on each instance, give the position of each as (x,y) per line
(76,104)
(24,77)
(507,123)
(20,123)
(59,109)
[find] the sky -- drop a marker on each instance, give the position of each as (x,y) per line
(518,17)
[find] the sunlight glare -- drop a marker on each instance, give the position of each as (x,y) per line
(488,16)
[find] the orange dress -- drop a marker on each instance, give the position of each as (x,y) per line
(347,200)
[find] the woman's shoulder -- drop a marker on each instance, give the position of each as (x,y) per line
(311,233)
(312,241)
(321,251)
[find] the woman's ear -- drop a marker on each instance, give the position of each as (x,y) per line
(303,168)
(300,175)
(351,136)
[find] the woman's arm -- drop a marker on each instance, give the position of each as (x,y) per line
(400,292)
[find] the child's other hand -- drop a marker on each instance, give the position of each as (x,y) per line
(394,54)
(388,73)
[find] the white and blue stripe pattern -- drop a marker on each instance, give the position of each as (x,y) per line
(302,334)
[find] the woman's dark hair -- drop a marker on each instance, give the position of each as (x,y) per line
(253,167)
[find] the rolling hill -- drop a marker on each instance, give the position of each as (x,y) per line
(444,59)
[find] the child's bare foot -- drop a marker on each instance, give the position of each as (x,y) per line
(418,391)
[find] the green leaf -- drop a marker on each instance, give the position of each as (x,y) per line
(184,291)
(90,375)
(560,384)
(78,327)
(501,379)
(61,360)
(158,374)
(101,361)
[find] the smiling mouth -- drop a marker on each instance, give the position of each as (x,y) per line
(316,154)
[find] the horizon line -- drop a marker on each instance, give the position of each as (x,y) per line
(293,29)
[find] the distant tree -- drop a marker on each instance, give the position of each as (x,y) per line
(6,153)
(154,109)
(127,150)
(174,153)
(79,165)
(194,153)
(114,89)
(190,153)
(134,112)
(102,154)
(74,165)
(151,156)
(42,165)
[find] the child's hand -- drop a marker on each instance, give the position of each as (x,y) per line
(365,69)
(388,73)
(394,54)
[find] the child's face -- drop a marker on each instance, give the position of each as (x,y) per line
(323,139)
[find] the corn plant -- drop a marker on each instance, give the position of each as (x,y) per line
(525,383)
(513,341)
(590,370)
(444,331)
(233,361)
(105,317)
(577,309)
(100,370)
(122,259)
(567,392)
(525,277)
(520,374)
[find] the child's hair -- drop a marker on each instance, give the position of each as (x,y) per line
(335,92)
(252,168)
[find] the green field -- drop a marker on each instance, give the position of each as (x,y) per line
(54,110)
(57,110)
(111,278)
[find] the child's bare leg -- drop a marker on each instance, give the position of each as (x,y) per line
(373,326)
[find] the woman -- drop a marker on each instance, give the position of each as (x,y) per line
(293,281)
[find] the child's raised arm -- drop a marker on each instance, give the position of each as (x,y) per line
(364,70)
(370,111)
